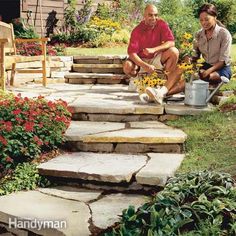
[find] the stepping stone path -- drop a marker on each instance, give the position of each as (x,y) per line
(117,152)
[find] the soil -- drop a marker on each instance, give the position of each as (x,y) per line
(228,107)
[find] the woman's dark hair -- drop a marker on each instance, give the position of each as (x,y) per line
(211,10)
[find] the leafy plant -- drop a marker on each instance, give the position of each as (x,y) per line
(24,177)
(23,31)
(70,16)
(203,203)
(29,126)
(120,36)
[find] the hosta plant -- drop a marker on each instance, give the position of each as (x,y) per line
(202,203)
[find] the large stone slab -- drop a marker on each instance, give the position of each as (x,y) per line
(146,124)
(78,129)
(159,168)
(181,109)
(71,193)
(112,168)
(36,206)
(139,136)
(107,211)
(93,76)
(113,105)
(104,57)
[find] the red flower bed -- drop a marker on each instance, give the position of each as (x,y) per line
(29,127)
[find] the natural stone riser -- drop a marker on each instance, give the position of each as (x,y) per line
(98,70)
(125,148)
(132,187)
(113,117)
(94,81)
(96,61)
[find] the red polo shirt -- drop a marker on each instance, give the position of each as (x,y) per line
(143,36)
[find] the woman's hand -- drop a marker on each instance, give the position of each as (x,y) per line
(204,73)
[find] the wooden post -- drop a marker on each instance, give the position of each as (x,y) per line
(41,18)
(2,64)
(44,52)
(2,67)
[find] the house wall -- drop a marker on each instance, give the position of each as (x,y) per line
(30,11)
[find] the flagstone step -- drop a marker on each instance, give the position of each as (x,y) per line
(151,169)
(63,210)
(130,137)
(98,68)
(111,103)
(106,59)
(94,78)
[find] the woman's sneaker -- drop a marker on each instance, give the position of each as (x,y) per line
(155,94)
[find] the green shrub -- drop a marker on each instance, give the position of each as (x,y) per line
(60,38)
(23,31)
(121,36)
(101,40)
(24,177)
(203,203)
(180,24)
(84,34)
(29,126)
(103,11)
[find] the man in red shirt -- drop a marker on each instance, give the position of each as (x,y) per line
(152,47)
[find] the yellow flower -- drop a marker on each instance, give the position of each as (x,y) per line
(187,36)
(200,60)
(149,80)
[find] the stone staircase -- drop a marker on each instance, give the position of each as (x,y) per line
(117,152)
(110,129)
(96,70)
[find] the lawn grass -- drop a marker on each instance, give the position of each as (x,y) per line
(211,142)
(115,51)
(233,53)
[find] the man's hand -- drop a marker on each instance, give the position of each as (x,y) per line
(149,68)
(148,51)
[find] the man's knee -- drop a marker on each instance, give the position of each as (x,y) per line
(130,68)
(173,52)
(171,56)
